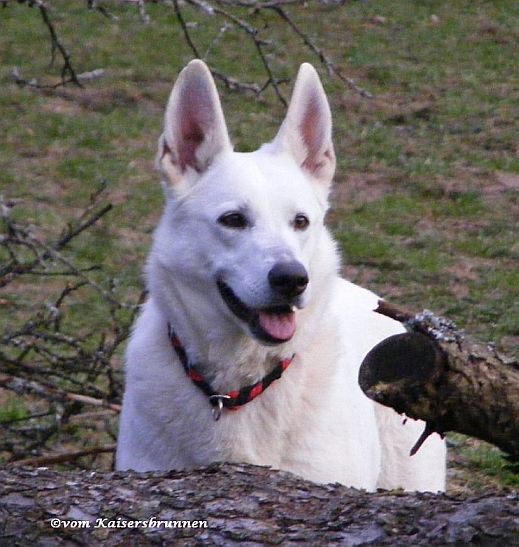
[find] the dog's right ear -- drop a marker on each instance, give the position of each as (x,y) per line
(194,129)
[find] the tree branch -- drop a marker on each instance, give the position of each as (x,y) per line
(438,374)
(219,9)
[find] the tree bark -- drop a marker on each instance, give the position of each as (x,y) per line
(241,504)
(436,373)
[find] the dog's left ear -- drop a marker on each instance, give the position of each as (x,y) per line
(306,132)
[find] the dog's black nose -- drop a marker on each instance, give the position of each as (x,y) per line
(288,279)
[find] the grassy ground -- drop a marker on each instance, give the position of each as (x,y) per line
(426,204)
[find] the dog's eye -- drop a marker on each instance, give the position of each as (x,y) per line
(233,219)
(301,222)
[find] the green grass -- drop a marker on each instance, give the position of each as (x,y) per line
(437,230)
(12,410)
(481,465)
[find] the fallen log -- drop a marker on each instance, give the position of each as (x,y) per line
(436,373)
(238,504)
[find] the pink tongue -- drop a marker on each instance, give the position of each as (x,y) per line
(281,327)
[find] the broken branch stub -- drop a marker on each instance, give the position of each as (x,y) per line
(436,373)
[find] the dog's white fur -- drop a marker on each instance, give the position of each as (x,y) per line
(314,421)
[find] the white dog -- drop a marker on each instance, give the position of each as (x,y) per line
(249,346)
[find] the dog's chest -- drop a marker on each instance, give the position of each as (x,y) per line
(312,424)
(251,435)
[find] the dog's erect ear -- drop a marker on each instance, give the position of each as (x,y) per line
(194,129)
(306,131)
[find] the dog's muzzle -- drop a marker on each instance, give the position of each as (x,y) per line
(277,323)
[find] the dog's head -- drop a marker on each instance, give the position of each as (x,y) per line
(244,231)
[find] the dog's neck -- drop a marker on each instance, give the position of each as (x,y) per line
(224,353)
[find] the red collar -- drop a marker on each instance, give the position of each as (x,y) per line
(233,399)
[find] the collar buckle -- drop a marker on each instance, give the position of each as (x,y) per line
(218,406)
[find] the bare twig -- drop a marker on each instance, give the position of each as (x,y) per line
(68,73)
(216,40)
(81,226)
(327,62)
(53,366)
(142,12)
(21,385)
(93,5)
(252,4)
(185,30)
(230,82)
(259,44)
(42,250)
(84,76)
(67,70)
(64,456)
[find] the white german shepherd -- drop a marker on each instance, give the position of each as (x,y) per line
(249,346)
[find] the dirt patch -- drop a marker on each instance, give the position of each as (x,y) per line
(73,101)
(494,188)
(505,182)
(355,188)
(59,105)
(460,275)
(361,275)
(394,108)
(509,344)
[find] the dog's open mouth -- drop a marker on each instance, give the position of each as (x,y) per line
(273,325)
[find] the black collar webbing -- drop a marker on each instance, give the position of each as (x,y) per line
(233,399)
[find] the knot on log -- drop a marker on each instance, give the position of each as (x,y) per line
(401,370)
